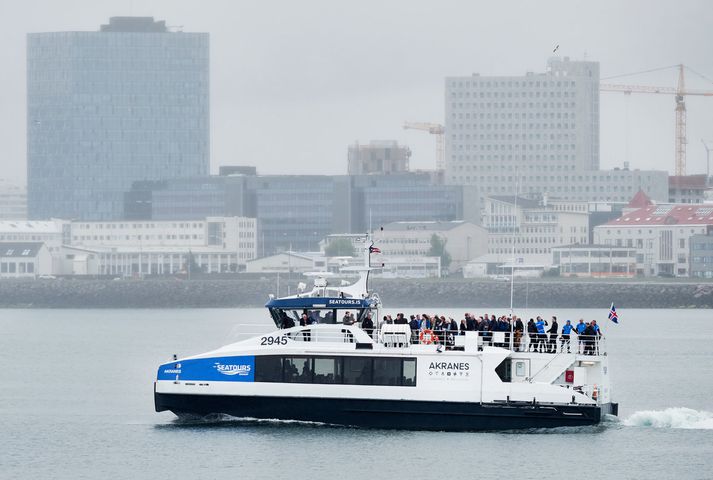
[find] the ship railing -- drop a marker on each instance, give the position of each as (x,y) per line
(402,337)
(536,343)
(311,333)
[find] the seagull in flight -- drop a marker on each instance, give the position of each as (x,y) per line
(556,48)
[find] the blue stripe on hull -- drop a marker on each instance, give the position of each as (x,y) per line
(390,414)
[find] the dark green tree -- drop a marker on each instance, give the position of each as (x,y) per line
(438,249)
(339,247)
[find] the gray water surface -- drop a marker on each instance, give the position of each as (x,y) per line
(76,401)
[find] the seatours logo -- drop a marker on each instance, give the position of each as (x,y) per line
(240,370)
(344,301)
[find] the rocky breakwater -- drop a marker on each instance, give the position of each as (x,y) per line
(241,291)
(546,293)
(153,293)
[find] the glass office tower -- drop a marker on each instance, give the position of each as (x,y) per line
(104,109)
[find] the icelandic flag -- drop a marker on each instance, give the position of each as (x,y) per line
(612,314)
(373,249)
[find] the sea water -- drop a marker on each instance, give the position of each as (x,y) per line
(76,401)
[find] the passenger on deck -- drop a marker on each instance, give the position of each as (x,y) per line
(414,326)
(532,335)
(470,322)
(541,335)
(588,336)
(581,326)
(452,331)
(552,347)
(484,329)
(287,321)
(566,331)
(304,321)
(519,328)
(368,324)
(438,328)
(597,336)
(463,327)
(348,318)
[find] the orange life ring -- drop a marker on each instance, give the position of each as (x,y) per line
(427,337)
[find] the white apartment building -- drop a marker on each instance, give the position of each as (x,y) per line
(213,245)
(533,227)
(660,234)
(539,131)
(544,122)
(464,241)
(216,244)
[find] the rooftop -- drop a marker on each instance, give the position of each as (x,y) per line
(521,201)
(682,214)
(134,24)
(434,226)
(32,226)
(640,200)
(19,249)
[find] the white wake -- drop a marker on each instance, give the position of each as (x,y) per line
(672,418)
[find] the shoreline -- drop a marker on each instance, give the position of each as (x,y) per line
(253,292)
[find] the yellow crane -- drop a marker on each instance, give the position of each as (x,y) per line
(434,129)
(680,93)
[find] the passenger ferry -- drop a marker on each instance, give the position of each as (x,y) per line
(343,373)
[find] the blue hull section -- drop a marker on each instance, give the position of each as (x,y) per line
(389,414)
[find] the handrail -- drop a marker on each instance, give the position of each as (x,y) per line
(401,335)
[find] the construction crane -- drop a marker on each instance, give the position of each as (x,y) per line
(680,93)
(434,129)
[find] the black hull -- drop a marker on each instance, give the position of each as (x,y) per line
(389,414)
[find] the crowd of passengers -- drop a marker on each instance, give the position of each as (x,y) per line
(538,335)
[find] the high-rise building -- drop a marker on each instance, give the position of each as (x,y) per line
(378,157)
(534,127)
(295,212)
(107,108)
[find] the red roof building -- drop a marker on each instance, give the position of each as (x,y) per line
(660,234)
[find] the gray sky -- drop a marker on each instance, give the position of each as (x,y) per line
(293,83)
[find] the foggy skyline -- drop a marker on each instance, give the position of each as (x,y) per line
(292,85)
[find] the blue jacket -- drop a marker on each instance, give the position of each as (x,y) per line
(580,328)
(540,324)
(567,328)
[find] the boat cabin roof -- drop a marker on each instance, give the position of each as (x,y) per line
(319,302)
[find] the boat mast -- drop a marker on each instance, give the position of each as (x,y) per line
(512,267)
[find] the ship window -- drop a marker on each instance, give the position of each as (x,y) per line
(520,369)
(327,370)
(357,370)
(297,370)
(387,371)
(349,370)
(504,370)
(409,373)
(268,369)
